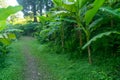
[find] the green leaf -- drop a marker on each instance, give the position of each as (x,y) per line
(115,12)
(99,36)
(6,12)
(69,20)
(5,41)
(11,36)
(69,5)
(13,30)
(57,2)
(2,24)
(62,12)
(92,12)
(95,24)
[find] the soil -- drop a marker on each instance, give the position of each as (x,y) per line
(32,66)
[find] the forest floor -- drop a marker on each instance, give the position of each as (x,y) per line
(30,60)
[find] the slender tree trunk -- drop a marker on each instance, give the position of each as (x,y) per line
(41,7)
(89,52)
(34,12)
(79,31)
(112,24)
(46,4)
(62,37)
(89,55)
(80,37)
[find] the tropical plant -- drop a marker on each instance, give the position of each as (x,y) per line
(82,15)
(6,36)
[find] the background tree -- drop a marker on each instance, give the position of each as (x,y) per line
(36,6)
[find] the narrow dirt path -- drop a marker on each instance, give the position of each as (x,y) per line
(31,67)
(34,68)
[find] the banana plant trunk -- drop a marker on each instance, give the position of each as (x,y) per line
(89,51)
(80,37)
(62,37)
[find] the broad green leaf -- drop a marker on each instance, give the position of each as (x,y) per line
(57,2)
(69,2)
(69,5)
(95,24)
(11,36)
(81,3)
(13,30)
(2,24)
(43,19)
(115,12)
(69,20)
(6,12)
(60,12)
(5,41)
(99,36)
(6,38)
(92,12)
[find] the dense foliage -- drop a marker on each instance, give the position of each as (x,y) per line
(87,30)
(6,34)
(82,26)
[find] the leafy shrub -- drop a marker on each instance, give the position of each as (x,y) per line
(28,28)
(3,51)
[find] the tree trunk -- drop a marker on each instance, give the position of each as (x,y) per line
(34,12)
(41,7)
(80,37)
(62,37)
(46,4)
(89,52)
(89,55)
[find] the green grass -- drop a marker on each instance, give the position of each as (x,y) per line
(62,68)
(58,66)
(14,62)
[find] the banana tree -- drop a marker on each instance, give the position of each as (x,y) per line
(79,10)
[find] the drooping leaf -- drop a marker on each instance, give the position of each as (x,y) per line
(62,12)
(69,20)
(99,36)
(115,12)
(13,30)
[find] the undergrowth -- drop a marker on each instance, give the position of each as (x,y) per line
(64,68)
(59,65)
(13,64)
